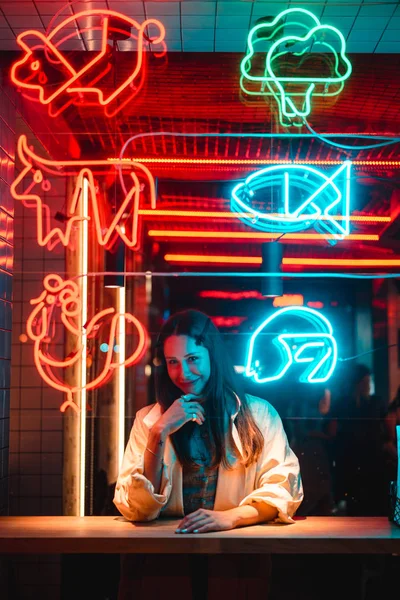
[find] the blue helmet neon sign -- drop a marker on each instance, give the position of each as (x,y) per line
(302,336)
(302,197)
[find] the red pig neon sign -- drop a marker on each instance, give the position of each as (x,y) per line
(45,57)
(65,296)
(124,223)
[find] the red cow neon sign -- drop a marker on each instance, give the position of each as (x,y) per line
(65,296)
(45,60)
(99,173)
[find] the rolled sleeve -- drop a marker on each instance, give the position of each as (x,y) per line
(278,480)
(134,494)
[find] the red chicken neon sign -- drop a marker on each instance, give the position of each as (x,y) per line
(99,174)
(64,295)
(46,61)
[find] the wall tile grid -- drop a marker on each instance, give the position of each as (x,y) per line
(7,162)
(35,432)
(36,436)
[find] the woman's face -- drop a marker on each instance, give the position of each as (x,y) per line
(188,364)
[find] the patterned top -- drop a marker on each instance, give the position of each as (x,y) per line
(199,484)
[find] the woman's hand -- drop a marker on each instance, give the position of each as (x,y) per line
(181,411)
(203,520)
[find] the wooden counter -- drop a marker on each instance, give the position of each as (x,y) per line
(314,535)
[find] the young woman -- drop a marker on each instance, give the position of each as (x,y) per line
(204,452)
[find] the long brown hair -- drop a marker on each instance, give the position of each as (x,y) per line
(219,392)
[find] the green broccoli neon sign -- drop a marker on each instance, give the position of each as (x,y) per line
(291,48)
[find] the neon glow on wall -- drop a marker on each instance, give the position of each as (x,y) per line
(297,335)
(46,74)
(289,47)
(64,296)
(107,226)
(302,194)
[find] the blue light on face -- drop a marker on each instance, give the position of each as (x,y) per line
(310,344)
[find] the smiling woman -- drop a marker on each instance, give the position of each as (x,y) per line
(208,454)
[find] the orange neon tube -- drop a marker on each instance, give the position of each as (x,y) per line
(256,260)
(35,166)
(244,235)
(199,214)
(257,161)
(65,295)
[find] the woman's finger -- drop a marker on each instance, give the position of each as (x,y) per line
(190,527)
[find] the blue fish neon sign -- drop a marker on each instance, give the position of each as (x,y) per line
(313,346)
(303,197)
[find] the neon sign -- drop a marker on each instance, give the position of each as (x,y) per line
(292,47)
(45,60)
(64,295)
(101,175)
(301,336)
(301,194)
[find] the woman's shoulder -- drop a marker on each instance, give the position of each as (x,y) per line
(261,408)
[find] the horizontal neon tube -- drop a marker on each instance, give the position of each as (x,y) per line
(254,161)
(244,235)
(256,260)
(234,215)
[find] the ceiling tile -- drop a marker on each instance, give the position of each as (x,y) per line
(236,36)
(162,8)
(224,22)
(47,19)
(366,46)
(171,35)
(73,44)
(204,46)
(391,35)
(388,47)
(3,22)
(340,23)
(340,10)
(169,21)
(9,45)
(27,21)
(394,23)
(364,35)
(198,8)
(51,8)
(234,8)
(197,21)
(376,10)
(130,9)
(229,46)
(6,34)
(81,6)
(175,46)
(269,9)
(315,10)
(365,23)
(197,35)
(18,8)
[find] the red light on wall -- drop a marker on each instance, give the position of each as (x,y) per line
(316,304)
(228,321)
(289,300)
(245,295)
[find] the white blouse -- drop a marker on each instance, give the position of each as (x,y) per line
(274,479)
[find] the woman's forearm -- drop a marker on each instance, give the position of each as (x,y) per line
(251,514)
(153,457)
